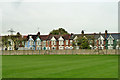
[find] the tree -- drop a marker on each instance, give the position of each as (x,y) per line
(59,31)
(83,43)
(5,42)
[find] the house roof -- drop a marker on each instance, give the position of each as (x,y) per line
(43,37)
(97,35)
(65,37)
(72,36)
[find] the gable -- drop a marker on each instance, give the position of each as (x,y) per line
(10,40)
(60,39)
(85,37)
(38,39)
(53,38)
(101,38)
(30,38)
(110,38)
(75,38)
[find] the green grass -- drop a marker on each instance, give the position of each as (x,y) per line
(60,66)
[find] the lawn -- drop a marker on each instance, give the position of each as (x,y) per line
(60,66)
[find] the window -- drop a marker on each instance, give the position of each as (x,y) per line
(61,47)
(60,42)
(22,42)
(110,41)
(31,42)
(38,48)
(48,42)
(53,42)
(70,41)
(44,42)
(38,42)
(53,48)
(66,42)
(11,43)
(66,47)
(100,41)
(71,47)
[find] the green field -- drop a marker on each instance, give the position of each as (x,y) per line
(60,66)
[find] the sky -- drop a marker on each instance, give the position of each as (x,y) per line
(31,16)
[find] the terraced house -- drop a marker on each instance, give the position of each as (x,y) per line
(60,42)
(48,42)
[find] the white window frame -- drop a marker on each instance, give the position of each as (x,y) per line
(61,42)
(101,42)
(67,42)
(71,41)
(110,41)
(38,42)
(31,42)
(44,43)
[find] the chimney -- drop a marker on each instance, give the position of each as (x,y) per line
(30,37)
(38,33)
(82,32)
(72,34)
(94,33)
(106,33)
(99,33)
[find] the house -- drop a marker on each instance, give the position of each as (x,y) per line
(48,42)
(61,42)
(30,43)
(113,41)
(11,44)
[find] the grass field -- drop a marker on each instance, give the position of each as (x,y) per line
(60,66)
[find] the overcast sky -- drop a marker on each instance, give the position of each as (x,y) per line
(73,15)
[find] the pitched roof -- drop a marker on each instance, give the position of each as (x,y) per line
(97,35)
(43,37)
(72,36)
(65,37)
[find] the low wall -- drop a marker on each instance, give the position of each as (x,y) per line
(43,52)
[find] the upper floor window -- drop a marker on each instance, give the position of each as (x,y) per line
(61,42)
(31,42)
(53,42)
(70,41)
(100,41)
(66,42)
(44,42)
(110,41)
(48,42)
(38,42)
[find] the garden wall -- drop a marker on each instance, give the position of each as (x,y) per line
(44,52)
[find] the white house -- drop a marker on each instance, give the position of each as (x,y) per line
(110,42)
(61,43)
(101,42)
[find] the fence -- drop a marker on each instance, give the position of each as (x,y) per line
(45,52)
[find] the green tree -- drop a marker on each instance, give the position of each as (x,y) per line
(83,43)
(5,42)
(59,31)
